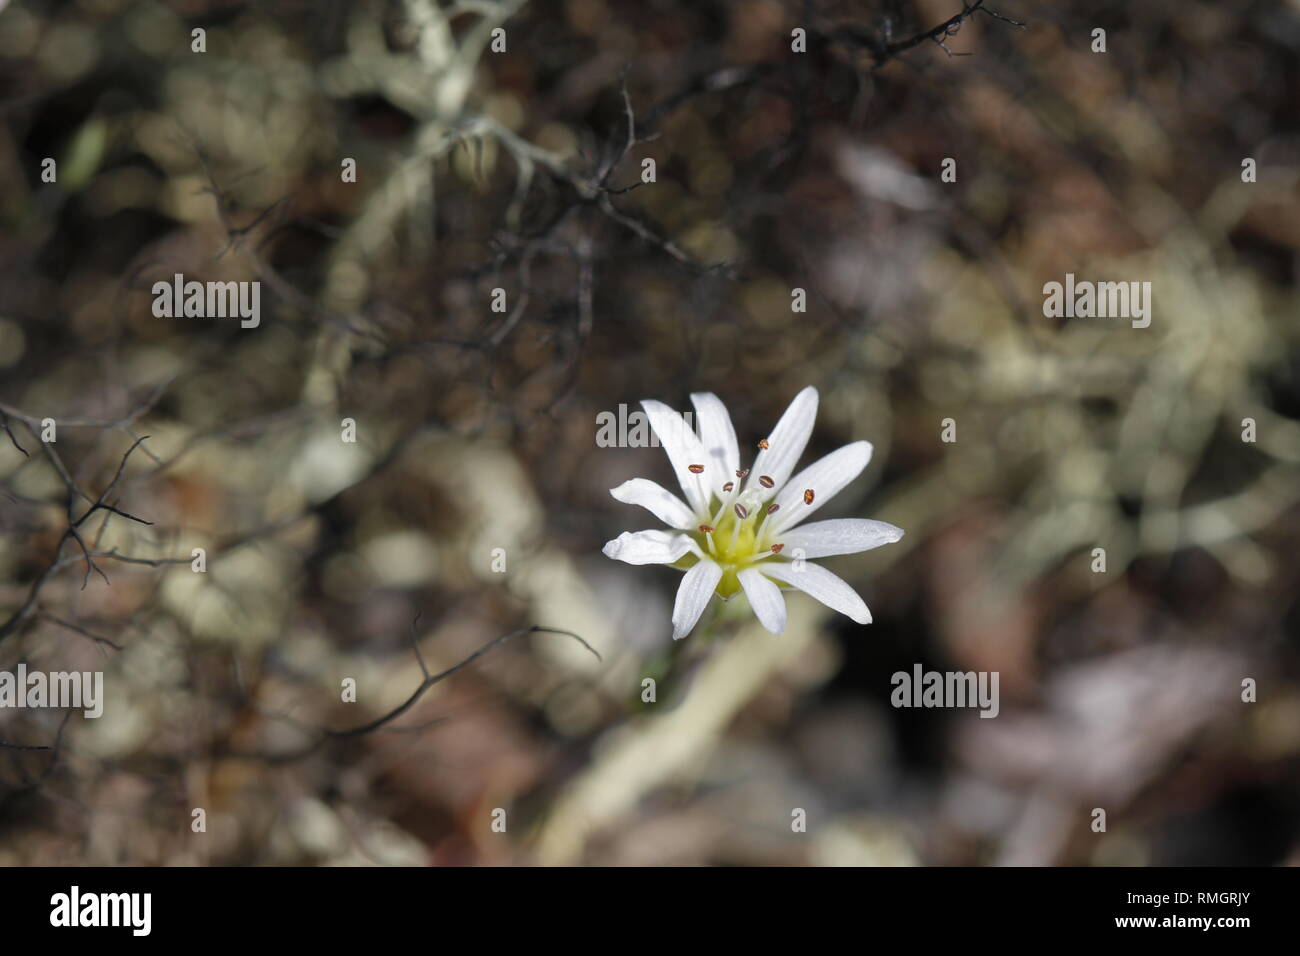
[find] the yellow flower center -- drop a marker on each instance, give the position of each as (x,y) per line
(738,541)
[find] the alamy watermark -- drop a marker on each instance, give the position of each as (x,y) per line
(78,690)
(1100,300)
(624,429)
(75,908)
(208,300)
(923,688)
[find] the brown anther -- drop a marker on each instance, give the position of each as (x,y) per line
(762,443)
(728,486)
(765,481)
(776,548)
(742,474)
(695,469)
(773,508)
(808,496)
(741,513)
(706,529)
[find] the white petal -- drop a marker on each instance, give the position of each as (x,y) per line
(648,547)
(718,436)
(684,448)
(785,444)
(817,582)
(765,598)
(657,500)
(839,536)
(693,596)
(825,477)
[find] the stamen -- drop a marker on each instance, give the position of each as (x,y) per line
(808,496)
(773,508)
(730,492)
(698,470)
(765,481)
(741,513)
(742,474)
(708,536)
(762,443)
(776,548)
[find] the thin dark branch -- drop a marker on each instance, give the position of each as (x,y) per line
(940,33)
(4,423)
(433,679)
(78,629)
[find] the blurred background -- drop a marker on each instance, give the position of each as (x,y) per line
(474,501)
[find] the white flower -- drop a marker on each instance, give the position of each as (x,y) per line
(737,530)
